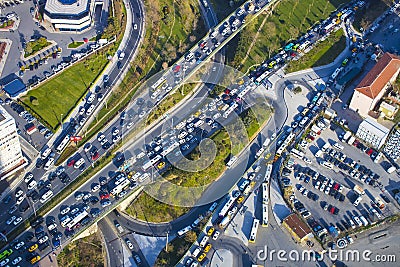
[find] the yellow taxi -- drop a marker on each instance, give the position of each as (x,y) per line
(252,184)
(210,231)
(33,247)
(240,199)
(161,165)
(207,248)
(35,259)
(130,174)
(201,257)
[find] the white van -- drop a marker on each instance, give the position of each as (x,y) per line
(204,241)
(338,146)
(46,196)
(196,252)
(45,153)
(48,164)
(231,161)
(358,200)
(327,165)
(79,163)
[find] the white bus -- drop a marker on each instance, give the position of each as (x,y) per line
(65,221)
(268,173)
(298,154)
(120,187)
(158,83)
(184,230)
(231,161)
(230,110)
(146,166)
(254,228)
(169,149)
(264,215)
(77,219)
(63,144)
(46,196)
(48,164)
(265,193)
(244,92)
(227,206)
(262,77)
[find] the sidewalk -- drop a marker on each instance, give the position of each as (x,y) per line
(5,55)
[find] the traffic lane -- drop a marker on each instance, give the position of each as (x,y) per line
(136,250)
(113,243)
(72,172)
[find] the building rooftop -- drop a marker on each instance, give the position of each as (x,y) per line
(297,226)
(4,115)
(67,7)
(14,88)
(373,127)
(376,79)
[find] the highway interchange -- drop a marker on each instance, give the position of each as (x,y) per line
(133,117)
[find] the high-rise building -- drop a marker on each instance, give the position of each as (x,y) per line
(11,158)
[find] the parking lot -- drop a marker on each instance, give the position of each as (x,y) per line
(325,194)
(29,28)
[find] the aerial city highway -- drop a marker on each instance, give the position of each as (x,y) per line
(288,161)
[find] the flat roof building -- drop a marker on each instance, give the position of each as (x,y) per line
(11,158)
(372,132)
(14,88)
(69,15)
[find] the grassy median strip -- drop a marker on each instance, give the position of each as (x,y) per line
(289,20)
(184,187)
(324,53)
(57,97)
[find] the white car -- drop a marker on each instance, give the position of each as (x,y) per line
(18,220)
(216,235)
(65,210)
(129,125)
(19,193)
(52,226)
(20,199)
(74,211)
(9,221)
(19,245)
(43,239)
(28,177)
(307,160)
(4,262)
(101,137)
(32,185)
(95,187)
(129,243)
(16,260)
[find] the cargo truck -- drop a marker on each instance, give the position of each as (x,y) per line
(119,227)
(351,140)
(346,136)
(358,189)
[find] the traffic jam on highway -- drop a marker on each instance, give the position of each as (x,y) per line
(94,198)
(79,162)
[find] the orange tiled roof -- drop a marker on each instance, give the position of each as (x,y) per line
(376,79)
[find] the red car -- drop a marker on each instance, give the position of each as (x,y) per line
(104,196)
(95,156)
(356,142)
(177,68)
(336,186)
(369,151)
(71,163)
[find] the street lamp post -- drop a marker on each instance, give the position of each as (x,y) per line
(61,121)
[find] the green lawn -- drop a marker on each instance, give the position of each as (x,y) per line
(183,187)
(33,47)
(75,44)
(324,53)
(63,92)
(289,20)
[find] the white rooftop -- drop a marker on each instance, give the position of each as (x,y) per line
(66,7)
(374,127)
